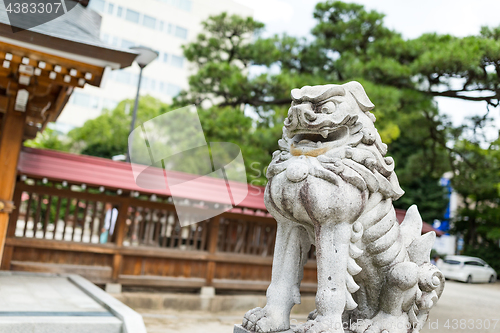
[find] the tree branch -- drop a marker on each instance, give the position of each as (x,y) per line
(454,94)
(256,102)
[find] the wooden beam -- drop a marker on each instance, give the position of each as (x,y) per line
(7,258)
(212,248)
(61,245)
(61,100)
(30,132)
(67,193)
(11,231)
(121,224)
(161,281)
(96,274)
(11,140)
(50,62)
(4,104)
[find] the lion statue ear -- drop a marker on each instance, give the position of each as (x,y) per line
(357,90)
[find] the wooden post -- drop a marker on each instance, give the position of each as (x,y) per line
(121,224)
(11,230)
(212,248)
(11,140)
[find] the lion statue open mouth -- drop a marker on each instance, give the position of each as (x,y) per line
(331,185)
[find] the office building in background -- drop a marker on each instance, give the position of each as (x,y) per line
(163,25)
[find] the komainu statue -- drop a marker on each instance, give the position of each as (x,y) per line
(331,185)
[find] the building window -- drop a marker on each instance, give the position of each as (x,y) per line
(165,57)
(109,104)
(134,79)
(173,90)
(177,61)
(181,32)
(81,99)
(149,22)
(170,28)
(106,38)
(152,84)
(111,8)
(94,102)
(181,4)
(185,5)
(126,44)
(122,77)
(97,5)
(160,26)
(119,11)
(115,41)
(132,16)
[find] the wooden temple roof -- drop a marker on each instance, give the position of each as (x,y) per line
(95,172)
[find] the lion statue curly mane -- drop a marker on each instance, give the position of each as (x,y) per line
(331,185)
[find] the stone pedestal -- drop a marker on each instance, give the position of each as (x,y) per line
(113,288)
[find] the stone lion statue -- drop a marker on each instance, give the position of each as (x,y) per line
(331,185)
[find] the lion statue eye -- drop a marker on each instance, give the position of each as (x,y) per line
(328,107)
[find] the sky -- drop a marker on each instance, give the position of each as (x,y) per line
(410,18)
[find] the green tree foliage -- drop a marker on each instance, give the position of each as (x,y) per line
(48,139)
(106,135)
(401,77)
(251,76)
(242,82)
(477,180)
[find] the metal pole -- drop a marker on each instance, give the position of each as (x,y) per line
(134,113)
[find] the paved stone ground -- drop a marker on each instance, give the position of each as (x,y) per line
(196,322)
(43,294)
(466,308)
(47,303)
(463,308)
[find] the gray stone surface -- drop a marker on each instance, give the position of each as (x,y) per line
(35,293)
(113,288)
(41,303)
(132,321)
(207,292)
(471,302)
(331,185)
(191,302)
(60,325)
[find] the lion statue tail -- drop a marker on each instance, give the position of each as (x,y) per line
(430,281)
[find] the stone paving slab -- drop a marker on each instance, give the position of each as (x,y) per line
(52,303)
(60,325)
(28,293)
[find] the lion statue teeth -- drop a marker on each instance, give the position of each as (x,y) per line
(331,185)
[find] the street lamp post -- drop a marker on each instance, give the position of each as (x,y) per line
(145,57)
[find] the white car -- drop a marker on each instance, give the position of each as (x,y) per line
(467,269)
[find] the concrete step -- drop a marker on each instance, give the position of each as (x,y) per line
(59,303)
(43,324)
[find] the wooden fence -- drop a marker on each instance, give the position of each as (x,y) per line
(58,227)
